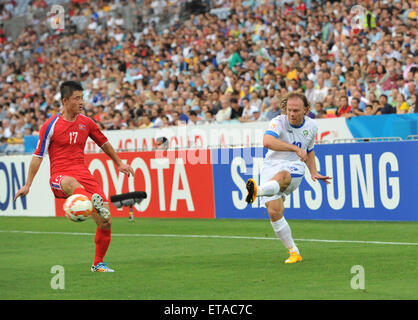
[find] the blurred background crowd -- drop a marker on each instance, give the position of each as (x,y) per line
(158,63)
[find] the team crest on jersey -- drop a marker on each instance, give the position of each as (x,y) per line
(305,133)
(82,126)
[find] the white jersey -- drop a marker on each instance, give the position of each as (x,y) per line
(302,136)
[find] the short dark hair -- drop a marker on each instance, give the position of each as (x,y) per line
(68,87)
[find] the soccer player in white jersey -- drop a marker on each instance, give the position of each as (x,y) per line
(290,139)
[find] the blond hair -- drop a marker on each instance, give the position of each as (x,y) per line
(290,95)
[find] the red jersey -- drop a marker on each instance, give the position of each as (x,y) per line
(65,142)
(342,111)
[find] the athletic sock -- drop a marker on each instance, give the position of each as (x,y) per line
(102,240)
(270,188)
(283,232)
(82,191)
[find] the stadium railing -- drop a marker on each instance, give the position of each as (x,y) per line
(373,139)
(412,137)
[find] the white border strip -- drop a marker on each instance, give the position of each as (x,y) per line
(208,237)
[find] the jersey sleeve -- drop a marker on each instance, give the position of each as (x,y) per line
(45,135)
(96,134)
(311,143)
(274,129)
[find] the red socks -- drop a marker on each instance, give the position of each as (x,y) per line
(82,191)
(102,241)
(102,238)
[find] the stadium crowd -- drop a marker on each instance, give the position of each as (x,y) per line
(231,63)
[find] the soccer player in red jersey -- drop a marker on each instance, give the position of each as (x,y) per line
(63,137)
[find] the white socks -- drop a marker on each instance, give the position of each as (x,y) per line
(283,232)
(270,188)
(280,227)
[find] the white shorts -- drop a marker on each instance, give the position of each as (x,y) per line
(271,168)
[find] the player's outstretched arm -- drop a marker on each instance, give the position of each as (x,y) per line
(315,175)
(123,167)
(34,165)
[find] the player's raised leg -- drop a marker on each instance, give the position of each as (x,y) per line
(71,186)
(275,209)
(275,186)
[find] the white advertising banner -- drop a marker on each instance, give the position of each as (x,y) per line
(13,175)
(332,129)
(212,136)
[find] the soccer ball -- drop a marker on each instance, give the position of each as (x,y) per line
(78,207)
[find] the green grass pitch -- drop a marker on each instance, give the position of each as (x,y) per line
(173,259)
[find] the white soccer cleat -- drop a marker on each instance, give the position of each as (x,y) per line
(97,201)
(101,267)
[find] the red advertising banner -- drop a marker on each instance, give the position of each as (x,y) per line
(179,184)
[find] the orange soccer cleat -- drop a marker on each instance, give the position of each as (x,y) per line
(252,190)
(294,257)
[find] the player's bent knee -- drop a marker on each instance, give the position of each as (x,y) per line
(287,178)
(283,178)
(69,184)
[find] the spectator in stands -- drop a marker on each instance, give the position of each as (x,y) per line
(384,106)
(368,111)
(209,118)
(355,109)
(224,113)
(3,113)
(330,107)
(7,129)
(193,119)
(372,87)
(401,104)
(236,109)
(410,90)
(309,92)
(320,91)
(181,108)
(165,122)
(118,122)
(344,109)
(3,144)
(147,123)
(414,104)
(247,111)
(319,111)
(272,111)
(176,120)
